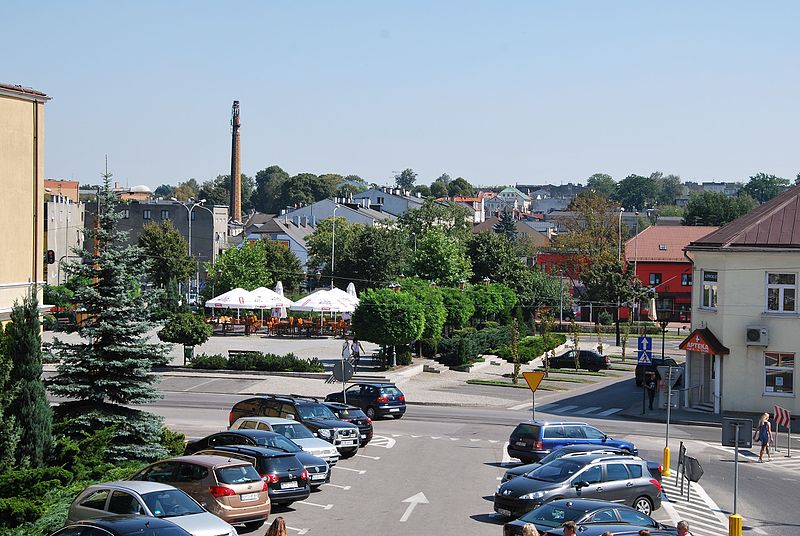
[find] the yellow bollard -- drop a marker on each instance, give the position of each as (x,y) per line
(665,465)
(735,525)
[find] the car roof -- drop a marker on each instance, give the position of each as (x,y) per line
(377,384)
(137,486)
(589,447)
(262,451)
(289,399)
(126,522)
(592,458)
(341,405)
(270,420)
(205,460)
(249,432)
(553,423)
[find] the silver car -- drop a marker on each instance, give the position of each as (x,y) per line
(150,499)
(293,430)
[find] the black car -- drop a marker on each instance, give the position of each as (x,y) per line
(268,440)
(354,415)
(376,399)
(641,370)
(587,359)
(617,529)
(123,525)
(576,450)
(317,417)
(287,480)
(584,512)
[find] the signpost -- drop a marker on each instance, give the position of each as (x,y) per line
(670,376)
(644,357)
(736,433)
(533,379)
(783,417)
(343,371)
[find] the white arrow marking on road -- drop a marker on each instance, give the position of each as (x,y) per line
(414,500)
(453,439)
(298,531)
(382,441)
(323,506)
(370,457)
(493,441)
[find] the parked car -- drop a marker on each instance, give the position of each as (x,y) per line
(585,512)
(286,479)
(124,525)
(294,431)
(576,450)
(354,415)
(587,359)
(314,415)
(147,498)
(263,438)
(641,370)
(230,489)
(533,440)
(623,479)
(617,529)
(378,400)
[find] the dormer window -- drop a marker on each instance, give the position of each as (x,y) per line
(662,247)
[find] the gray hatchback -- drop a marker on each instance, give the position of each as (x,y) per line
(620,479)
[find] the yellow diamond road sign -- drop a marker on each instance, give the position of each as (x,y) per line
(533,379)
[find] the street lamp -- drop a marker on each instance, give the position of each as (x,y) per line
(189,216)
(333,242)
(619,234)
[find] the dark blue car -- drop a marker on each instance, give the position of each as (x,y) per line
(533,440)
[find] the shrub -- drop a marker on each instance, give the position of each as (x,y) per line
(458,351)
(532,347)
(605,318)
(174,442)
(32,483)
(14,511)
(258,361)
(209,362)
(49,323)
(404,357)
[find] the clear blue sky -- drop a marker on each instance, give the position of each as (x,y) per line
(497,92)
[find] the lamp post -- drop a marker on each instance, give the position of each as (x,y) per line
(189,211)
(333,242)
(619,234)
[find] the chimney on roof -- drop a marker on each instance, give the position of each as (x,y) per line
(296,221)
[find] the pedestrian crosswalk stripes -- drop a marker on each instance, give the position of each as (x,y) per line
(563,409)
(701,512)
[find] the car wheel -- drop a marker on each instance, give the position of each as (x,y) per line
(370,412)
(254,525)
(644,505)
(398,416)
(348,453)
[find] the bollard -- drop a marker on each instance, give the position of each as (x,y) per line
(735,525)
(666,471)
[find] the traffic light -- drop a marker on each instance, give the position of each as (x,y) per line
(51,256)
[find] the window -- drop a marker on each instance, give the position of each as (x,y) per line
(194,215)
(686,280)
(655,279)
(593,475)
(781,289)
(593,433)
(96,500)
(160,472)
(634,518)
(190,472)
(554,432)
(635,470)
(709,295)
(380,200)
(124,503)
(616,471)
(573,432)
(263,426)
(147,215)
(604,516)
(662,247)
(247,425)
(779,373)
(165,214)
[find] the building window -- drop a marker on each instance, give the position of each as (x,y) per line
(686,280)
(165,214)
(146,215)
(709,298)
(126,214)
(778,373)
(781,290)
(380,200)
(662,247)
(194,215)
(655,279)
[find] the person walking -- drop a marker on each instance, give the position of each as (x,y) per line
(763,434)
(570,528)
(529,529)
(683,528)
(651,386)
(278,527)
(356,349)
(346,349)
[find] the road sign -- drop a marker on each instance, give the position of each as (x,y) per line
(342,371)
(533,379)
(645,357)
(645,343)
(670,374)
(745,427)
(782,416)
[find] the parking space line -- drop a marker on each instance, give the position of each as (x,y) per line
(298,531)
(370,457)
(359,471)
(323,506)
(520,406)
(608,412)
(506,456)
(336,486)
(200,384)
(587,410)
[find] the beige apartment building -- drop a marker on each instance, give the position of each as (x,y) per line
(22,202)
(741,354)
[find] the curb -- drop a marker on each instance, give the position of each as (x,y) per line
(684,422)
(455,404)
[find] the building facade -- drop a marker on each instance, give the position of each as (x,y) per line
(62,188)
(391,200)
(63,234)
(22,202)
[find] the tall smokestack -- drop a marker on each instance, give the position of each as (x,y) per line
(235,205)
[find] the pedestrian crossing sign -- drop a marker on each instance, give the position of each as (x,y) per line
(645,357)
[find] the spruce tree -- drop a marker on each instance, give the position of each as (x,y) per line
(110,368)
(9,429)
(29,405)
(506,226)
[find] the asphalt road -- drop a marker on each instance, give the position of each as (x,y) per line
(454,456)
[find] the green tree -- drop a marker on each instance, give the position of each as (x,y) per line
(460,187)
(716,208)
(282,265)
(602,184)
(29,406)
(351,185)
(186,190)
(458,305)
(188,329)
(438,189)
(320,241)
(376,255)
(593,229)
(454,219)
(444,178)
(405,179)
(217,191)
(536,288)
(635,192)
(494,256)
(269,182)
(441,259)
(763,187)
(422,189)
(492,300)
(388,318)
(168,250)
(609,283)
(506,226)
(244,267)
(109,368)
(9,428)
(306,188)
(164,191)
(670,189)
(432,307)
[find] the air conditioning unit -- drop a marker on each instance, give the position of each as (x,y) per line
(757,336)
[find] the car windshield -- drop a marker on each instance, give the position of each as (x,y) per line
(556,471)
(556,454)
(238,474)
(315,411)
(171,503)
(277,442)
(550,515)
(351,413)
(293,431)
(391,391)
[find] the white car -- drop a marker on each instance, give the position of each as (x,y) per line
(291,430)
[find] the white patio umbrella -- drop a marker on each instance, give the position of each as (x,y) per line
(237,298)
(279,288)
(264,298)
(351,289)
(323,301)
(345,296)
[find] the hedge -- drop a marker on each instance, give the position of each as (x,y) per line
(533,346)
(257,361)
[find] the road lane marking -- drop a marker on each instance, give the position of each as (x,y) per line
(493,441)
(436,437)
(200,384)
(416,436)
(359,471)
(548,408)
(413,501)
(520,406)
(336,486)
(382,441)
(454,439)
(298,531)
(608,412)
(473,440)
(590,409)
(370,457)
(566,409)
(323,506)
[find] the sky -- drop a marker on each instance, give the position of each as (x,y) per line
(499,92)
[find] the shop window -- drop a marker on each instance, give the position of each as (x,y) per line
(781,291)
(686,280)
(709,293)
(778,373)
(655,279)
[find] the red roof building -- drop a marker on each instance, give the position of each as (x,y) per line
(657,253)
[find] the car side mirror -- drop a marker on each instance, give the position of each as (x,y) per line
(581,484)
(605,438)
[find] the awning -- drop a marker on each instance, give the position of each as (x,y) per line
(704,342)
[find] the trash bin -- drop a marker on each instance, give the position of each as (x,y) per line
(188,354)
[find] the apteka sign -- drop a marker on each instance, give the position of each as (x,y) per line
(698,344)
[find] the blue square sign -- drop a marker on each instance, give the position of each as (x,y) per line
(645,353)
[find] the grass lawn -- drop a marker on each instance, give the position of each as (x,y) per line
(580,372)
(521,385)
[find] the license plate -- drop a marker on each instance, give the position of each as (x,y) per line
(245,497)
(363,436)
(520,443)
(348,442)
(393,410)
(503,512)
(288,485)
(318,477)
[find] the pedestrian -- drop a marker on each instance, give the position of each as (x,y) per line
(356,349)
(570,528)
(683,528)
(346,349)
(763,434)
(278,527)
(650,385)
(529,530)
(644,532)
